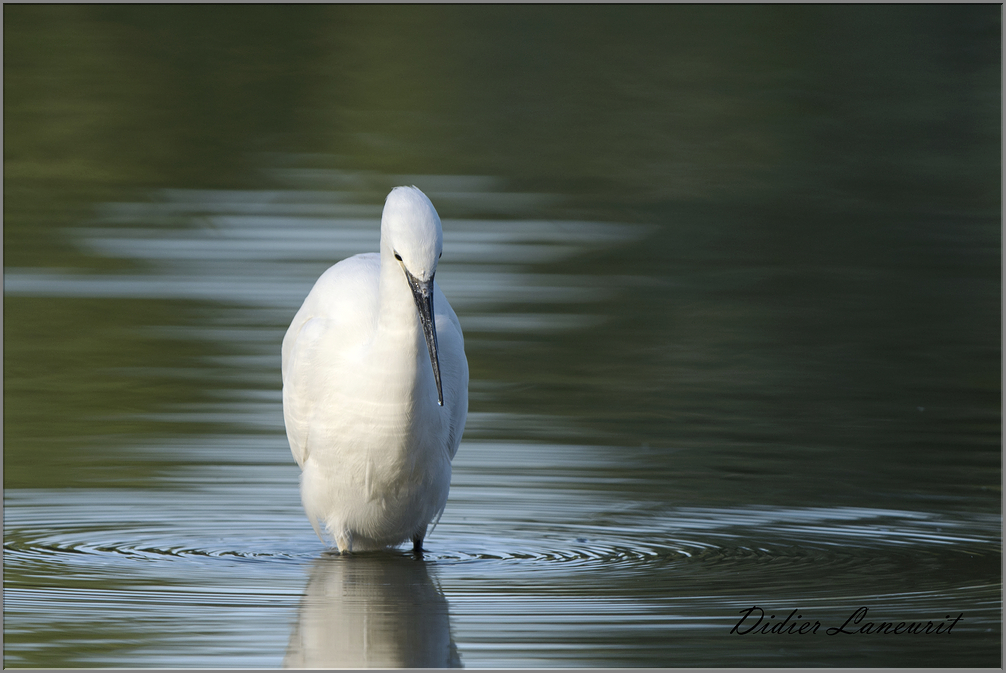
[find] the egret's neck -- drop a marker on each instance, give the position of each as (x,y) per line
(397,314)
(398,343)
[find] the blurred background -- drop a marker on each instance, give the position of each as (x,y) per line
(727,275)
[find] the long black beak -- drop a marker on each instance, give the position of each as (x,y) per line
(422,292)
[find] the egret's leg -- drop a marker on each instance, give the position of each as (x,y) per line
(344,542)
(417,543)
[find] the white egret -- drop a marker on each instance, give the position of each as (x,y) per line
(375,386)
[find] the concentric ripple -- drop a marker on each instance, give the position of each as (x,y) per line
(564,557)
(140,526)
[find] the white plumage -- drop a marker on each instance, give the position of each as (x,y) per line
(361,395)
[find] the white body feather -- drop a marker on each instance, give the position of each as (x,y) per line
(359,395)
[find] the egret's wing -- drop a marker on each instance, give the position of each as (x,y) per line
(299,346)
(300,351)
(453,376)
(453,369)
(340,306)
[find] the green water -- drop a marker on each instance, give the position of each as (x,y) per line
(730,280)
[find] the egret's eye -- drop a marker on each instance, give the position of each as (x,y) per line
(398,257)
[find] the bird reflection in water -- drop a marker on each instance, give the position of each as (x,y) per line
(372,610)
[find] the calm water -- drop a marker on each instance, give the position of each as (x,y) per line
(730,285)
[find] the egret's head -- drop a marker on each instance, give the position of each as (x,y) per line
(410,227)
(411,233)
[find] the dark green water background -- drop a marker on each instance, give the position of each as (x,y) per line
(730,280)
